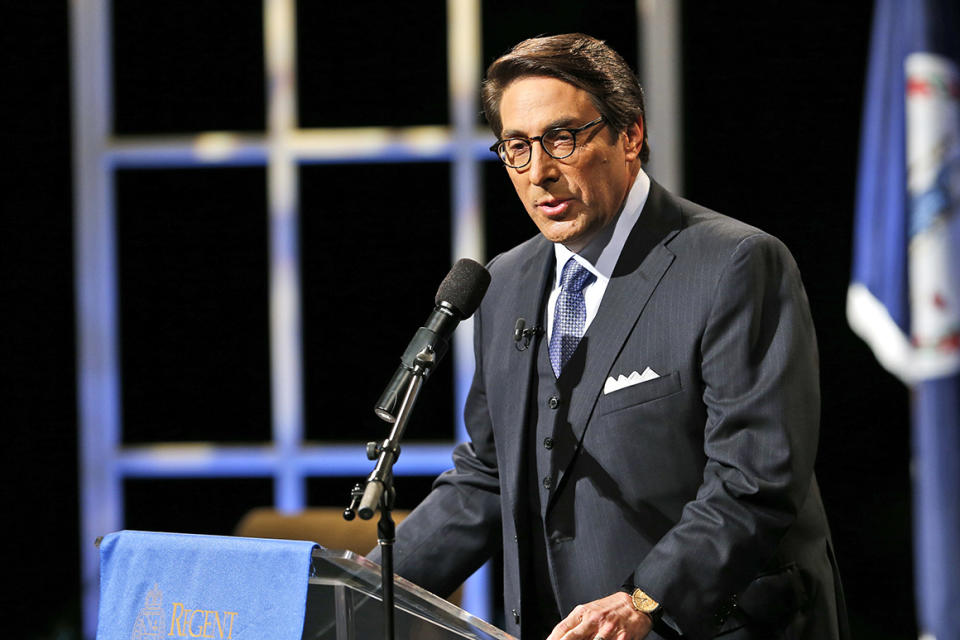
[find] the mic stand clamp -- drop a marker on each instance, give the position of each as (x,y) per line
(379,492)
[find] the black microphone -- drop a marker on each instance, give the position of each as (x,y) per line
(457,298)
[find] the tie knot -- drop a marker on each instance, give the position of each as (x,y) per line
(575,276)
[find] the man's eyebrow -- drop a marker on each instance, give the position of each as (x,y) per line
(564,122)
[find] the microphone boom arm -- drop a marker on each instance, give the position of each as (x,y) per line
(382,475)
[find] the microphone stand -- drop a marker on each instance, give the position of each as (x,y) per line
(379,491)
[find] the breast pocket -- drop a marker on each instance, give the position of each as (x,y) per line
(640,393)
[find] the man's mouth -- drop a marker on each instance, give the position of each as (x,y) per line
(553,208)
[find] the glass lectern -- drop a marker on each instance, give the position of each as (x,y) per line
(344,603)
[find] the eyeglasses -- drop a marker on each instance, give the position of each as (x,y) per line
(558,143)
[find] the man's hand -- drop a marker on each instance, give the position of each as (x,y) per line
(610,618)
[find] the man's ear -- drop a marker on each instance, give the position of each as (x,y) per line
(634,140)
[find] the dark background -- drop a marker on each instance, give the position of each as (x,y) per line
(772,101)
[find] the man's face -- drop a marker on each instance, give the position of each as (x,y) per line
(571,199)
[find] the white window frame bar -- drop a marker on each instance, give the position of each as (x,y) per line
(660,67)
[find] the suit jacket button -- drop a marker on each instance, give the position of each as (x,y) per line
(516,616)
(548,443)
(553,402)
(547,482)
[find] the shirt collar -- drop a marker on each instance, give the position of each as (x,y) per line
(601,255)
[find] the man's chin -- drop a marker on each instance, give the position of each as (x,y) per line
(564,232)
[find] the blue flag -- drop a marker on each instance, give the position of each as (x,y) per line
(904,298)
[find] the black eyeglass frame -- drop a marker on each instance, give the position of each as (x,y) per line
(572,131)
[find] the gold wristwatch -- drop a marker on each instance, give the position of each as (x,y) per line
(645,604)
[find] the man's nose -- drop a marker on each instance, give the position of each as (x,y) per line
(543,167)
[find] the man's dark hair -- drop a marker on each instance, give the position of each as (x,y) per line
(580,60)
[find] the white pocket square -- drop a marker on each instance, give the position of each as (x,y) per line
(622,381)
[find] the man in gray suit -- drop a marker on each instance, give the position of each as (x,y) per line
(645,461)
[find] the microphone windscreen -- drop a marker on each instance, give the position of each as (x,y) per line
(464,286)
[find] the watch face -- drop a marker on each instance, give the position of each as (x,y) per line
(643,602)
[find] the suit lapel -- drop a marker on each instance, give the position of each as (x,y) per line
(642,264)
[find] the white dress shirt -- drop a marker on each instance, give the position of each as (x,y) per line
(601,255)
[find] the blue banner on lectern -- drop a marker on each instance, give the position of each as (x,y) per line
(168,585)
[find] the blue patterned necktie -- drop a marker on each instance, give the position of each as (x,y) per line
(569,315)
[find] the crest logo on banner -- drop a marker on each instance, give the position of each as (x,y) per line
(149,623)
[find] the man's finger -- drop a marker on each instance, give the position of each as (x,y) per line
(568,624)
(608,631)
